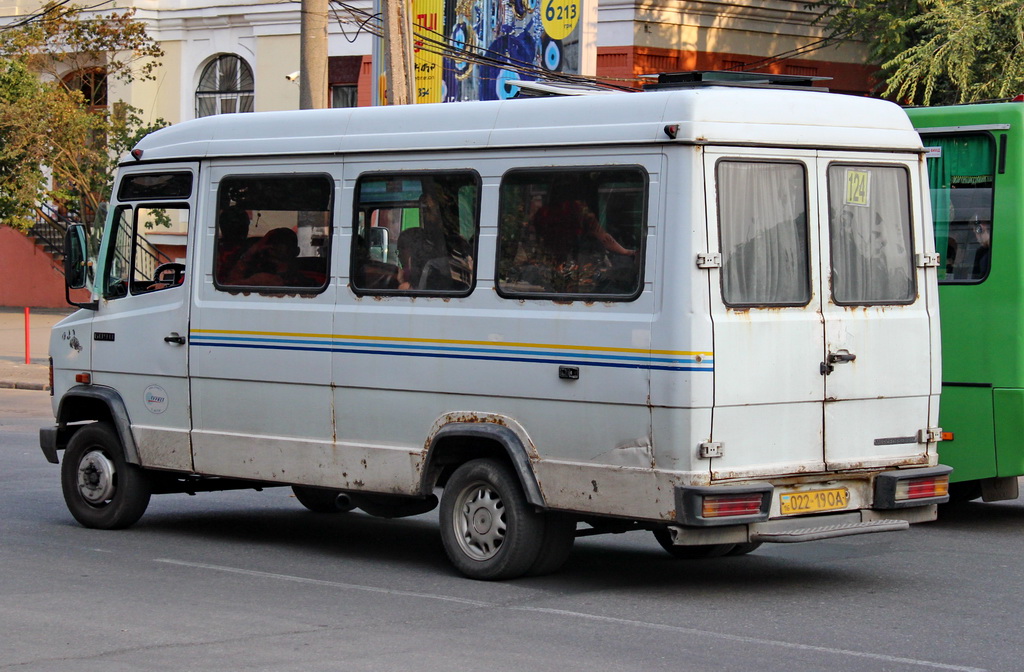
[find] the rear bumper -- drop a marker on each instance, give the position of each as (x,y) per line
(805,528)
(880,502)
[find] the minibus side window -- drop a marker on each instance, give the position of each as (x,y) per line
(133,264)
(762,219)
(273,233)
(149,186)
(870,233)
(119,255)
(416,233)
(572,233)
(961,172)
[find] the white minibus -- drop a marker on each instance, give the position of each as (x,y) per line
(707,310)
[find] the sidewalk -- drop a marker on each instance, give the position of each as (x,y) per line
(14,372)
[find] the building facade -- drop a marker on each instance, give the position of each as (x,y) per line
(225,57)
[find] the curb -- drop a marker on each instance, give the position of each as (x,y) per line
(15,385)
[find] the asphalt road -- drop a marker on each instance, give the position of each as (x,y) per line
(252,581)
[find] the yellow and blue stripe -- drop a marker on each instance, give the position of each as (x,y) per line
(542,353)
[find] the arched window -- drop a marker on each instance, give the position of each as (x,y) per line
(226,86)
(92,82)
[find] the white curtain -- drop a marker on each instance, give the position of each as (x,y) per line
(869,213)
(763,228)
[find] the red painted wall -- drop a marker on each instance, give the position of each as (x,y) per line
(627,63)
(30,276)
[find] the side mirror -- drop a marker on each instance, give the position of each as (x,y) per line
(76,268)
(76,264)
(378,243)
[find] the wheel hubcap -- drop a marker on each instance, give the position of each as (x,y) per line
(480,521)
(96,477)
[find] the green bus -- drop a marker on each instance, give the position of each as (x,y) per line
(975,156)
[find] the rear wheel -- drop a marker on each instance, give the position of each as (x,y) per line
(322,500)
(964,491)
(100,488)
(692,552)
(743,549)
(488,528)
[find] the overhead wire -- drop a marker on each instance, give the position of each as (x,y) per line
(439,43)
(42,14)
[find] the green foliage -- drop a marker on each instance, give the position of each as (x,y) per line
(29,121)
(64,39)
(937,51)
(53,147)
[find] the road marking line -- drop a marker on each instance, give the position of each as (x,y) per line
(750,640)
(321,582)
(573,614)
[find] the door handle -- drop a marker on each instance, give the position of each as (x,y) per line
(834,358)
(841,357)
(175,338)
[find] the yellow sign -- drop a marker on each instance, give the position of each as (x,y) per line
(428,33)
(812,501)
(560,17)
(858,183)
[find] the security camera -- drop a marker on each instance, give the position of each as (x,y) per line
(292,77)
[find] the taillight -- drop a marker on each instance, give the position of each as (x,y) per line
(912,487)
(707,505)
(719,506)
(51,376)
(922,488)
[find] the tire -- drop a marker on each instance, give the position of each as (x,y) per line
(100,488)
(559,537)
(704,552)
(964,491)
(488,529)
(322,500)
(743,549)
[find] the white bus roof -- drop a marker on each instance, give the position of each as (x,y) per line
(707,115)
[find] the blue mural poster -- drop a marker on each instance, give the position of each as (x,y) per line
(508,40)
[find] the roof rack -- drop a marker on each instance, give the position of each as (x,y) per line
(542,88)
(697,78)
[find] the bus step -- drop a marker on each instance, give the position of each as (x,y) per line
(828,531)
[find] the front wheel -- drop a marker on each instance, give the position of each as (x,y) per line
(100,488)
(488,528)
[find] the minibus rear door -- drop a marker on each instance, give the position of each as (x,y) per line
(765,279)
(877,332)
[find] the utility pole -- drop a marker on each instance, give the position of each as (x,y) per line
(401,76)
(313,55)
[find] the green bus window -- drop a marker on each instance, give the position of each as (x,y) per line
(869,230)
(961,170)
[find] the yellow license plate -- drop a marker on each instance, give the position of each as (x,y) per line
(813,501)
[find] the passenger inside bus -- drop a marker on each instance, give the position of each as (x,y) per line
(983,257)
(270,262)
(233,225)
(566,224)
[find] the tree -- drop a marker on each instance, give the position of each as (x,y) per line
(937,51)
(58,145)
